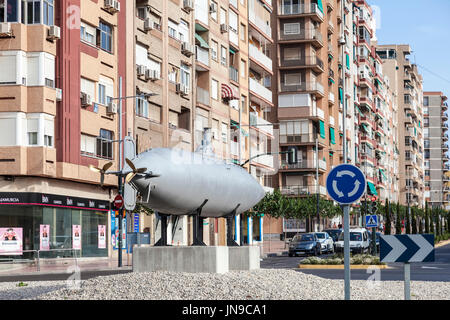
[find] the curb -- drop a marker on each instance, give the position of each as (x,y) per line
(275,254)
(59,272)
(341,266)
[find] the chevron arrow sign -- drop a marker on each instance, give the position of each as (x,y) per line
(407,248)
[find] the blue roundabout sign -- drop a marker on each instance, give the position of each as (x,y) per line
(346,184)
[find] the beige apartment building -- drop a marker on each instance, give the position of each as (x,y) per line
(58,112)
(407,83)
(204,65)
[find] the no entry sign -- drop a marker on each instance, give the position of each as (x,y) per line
(118,201)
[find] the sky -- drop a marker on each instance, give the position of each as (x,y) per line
(425,26)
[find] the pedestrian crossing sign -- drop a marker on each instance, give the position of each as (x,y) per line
(372,221)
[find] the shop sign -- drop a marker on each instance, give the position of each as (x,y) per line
(11,241)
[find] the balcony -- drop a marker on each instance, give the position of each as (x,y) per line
(260,124)
(265,160)
(261,26)
(234,148)
(260,57)
(308,62)
(304,35)
(301,139)
(260,90)
(202,57)
(331,98)
(302,190)
(306,165)
(301,10)
(315,87)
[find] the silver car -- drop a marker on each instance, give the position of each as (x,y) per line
(326,242)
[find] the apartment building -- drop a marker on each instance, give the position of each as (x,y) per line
(406,82)
(436,148)
(376,112)
(58,107)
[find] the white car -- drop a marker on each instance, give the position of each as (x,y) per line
(326,242)
(359,241)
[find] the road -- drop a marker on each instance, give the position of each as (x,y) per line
(435,271)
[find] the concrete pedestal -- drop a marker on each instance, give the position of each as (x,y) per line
(147,258)
(244,258)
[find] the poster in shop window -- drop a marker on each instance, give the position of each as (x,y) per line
(101,236)
(44,237)
(11,241)
(76,236)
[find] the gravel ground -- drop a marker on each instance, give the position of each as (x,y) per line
(259,284)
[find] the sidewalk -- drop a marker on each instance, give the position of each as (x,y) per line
(68,265)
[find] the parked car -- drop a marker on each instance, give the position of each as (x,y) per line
(359,241)
(305,243)
(326,242)
(377,239)
(334,233)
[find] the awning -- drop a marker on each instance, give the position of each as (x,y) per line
(360,113)
(319,4)
(332,140)
(341,94)
(331,80)
(347,61)
(382,172)
(372,188)
(365,127)
(203,43)
(228,93)
(322,129)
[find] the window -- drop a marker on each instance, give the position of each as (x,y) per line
(292,79)
(243,33)
(142,13)
(185,76)
(215,129)
(214,49)
(101,94)
(173,29)
(9,10)
(243,104)
(243,68)
(224,132)
(426,101)
(223,56)
(32,138)
(104,144)
(183,30)
(291,28)
(48,12)
(105,37)
(88,145)
(48,141)
(141,107)
(33,11)
(214,12)
(88,33)
(214,89)
(173,74)
(292,54)
(223,16)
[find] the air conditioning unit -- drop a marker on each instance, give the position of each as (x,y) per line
(86,100)
(58,94)
(111,108)
(5,29)
(148,24)
(187,49)
(152,75)
(141,70)
(223,28)
(188,5)
(182,89)
(212,8)
(112,6)
(54,33)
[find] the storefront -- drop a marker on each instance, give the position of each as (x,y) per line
(51,223)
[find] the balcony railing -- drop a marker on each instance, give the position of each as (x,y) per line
(261,124)
(305,61)
(260,90)
(305,34)
(302,190)
(203,96)
(298,138)
(304,164)
(260,57)
(202,55)
(305,86)
(260,24)
(234,148)
(265,159)
(293,9)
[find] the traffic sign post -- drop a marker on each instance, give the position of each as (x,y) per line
(407,248)
(345,185)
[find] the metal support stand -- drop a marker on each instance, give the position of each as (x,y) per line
(198,227)
(407,278)
(230,240)
(162,242)
(347,252)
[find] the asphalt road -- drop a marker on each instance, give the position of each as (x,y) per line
(432,271)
